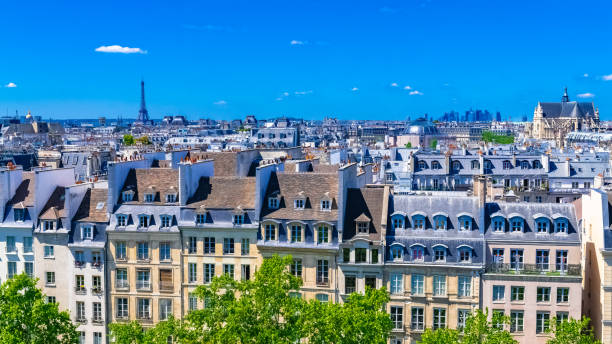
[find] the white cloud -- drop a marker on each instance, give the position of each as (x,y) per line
(607,77)
(586,75)
(279,98)
(407,87)
(286,94)
(394,84)
(354,89)
(301,93)
(416,93)
(296,42)
(119,49)
(220,102)
(11,85)
(586,95)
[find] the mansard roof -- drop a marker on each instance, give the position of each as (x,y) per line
(93,206)
(364,205)
(159,181)
(224,193)
(568,109)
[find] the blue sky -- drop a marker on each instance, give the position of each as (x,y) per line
(350,59)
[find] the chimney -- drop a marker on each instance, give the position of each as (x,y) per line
(411,161)
(514,160)
(567,168)
(480,189)
(481,162)
(599,181)
(447,163)
(546,162)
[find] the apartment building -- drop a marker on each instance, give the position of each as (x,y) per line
(144,243)
(533,270)
(434,255)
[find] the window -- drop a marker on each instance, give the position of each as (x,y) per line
(462,315)
(270,232)
(456,165)
(97,338)
(165,308)
(543,294)
(465,223)
(418,222)
(322,272)
(144,309)
(524,165)
(200,219)
(465,255)
(516,259)
(121,220)
(397,284)
(542,260)
(245,246)
(80,311)
(507,165)
(12,269)
(96,284)
(562,316)
(164,251)
(192,245)
(322,234)
(19,214)
(575,185)
(561,226)
(439,318)
(122,278)
(439,284)
(562,295)
(516,225)
(49,251)
(361,255)
(228,245)
(143,251)
(539,199)
(465,286)
(417,253)
(397,317)
(421,165)
(542,322)
(435,165)
(79,258)
(517,293)
(349,284)
(475,164)
(149,198)
(209,272)
(499,293)
(170,198)
(346,255)
(127,196)
(143,279)
(50,278)
(299,203)
(29,268)
(193,272)
(143,221)
(10,244)
(325,205)
(542,226)
(82,337)
(121,250)
(498,255)
(238,219)
(87,232)
(48,225)
(97,312)
(296,233)
(516,321)
(322,298)
(497,316)
(166,221)
(80,283)
(363,227)
(296,268)
(374,255)
(561,261)
(398,222)
(228,269)
(245,272)
(27,244)
(396,252)
(587,185)
(417,284)
(273,203)
(209,245)
(192,301)
(439,254)
(440,222)
(417,321)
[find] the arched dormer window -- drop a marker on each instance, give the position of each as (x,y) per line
(323,233)
(465,222)
(418,221)
(507,165)
(422,165)
(144,220)
(297,232)
(269,232)
(516,224)
(439,253)
(435,165)
(398,221)
(561,225)
(440,222)
(465,254)
(417,252)
(456,165)
(475,164)
(499,224)
(165,221)
(542,224)
(397,252)
(524,165)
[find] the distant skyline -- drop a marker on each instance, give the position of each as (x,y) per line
(349,59)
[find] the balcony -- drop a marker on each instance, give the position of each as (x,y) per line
(80,290)
(79,264)
(122,284)
(81,320)
(143,285)
(97,290)
(534,269)
(96,264)
(97,320)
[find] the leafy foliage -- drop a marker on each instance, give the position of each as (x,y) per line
(433,144)
(408,145)
(28,319)
(489,136)
(478,330)
(440,336)
(572,331)
(128,140)
(144,140)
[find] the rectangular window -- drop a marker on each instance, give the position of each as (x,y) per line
(245,272)
(325,205)
(462,315)
(121,250)
(10,244)
(298,204)
(12,269)
(97,312)
(166,282)
(193,272)
(561,261)
(439,282)
(165,308)
(143,280)
(50,278)
(19,214)
(464,288)
(562,316)
(48,225)
(27,244)
(228,269)
(245,246)
(296,233)
(498,255)
(238,219)
(270,232)
(96,284)
(80,311)
(87,233)
(164,251)
(542,260)
(397,284)
(499,293)
(49,251)
(193,302)
(200,219)
(80,283)
(418,282)
(397,317)
(29,268)
(209,245)
(192,245)
(121,278)
(346,255)
(209,272)
(228,245)
(516,321)
(97,338)
(296,268)
(439,318)
(143,221)
(149,198)
(51,299)
(361,255)
(542,319)
(517,293)
(121,220)
(322,272)
(350,284)
(144,309)
(562,295)
(143,250)
(323,235)
(516,259)
(543,294)
(122,307)
(374,255)
(417,321)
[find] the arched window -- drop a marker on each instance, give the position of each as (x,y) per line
(418,222)
(439,254)
(537,164)
(435,165)
(561,225)
(465,254)
(397,221)
(507,165)
(439,222)
(465,223)
(542,226)
(417,253)
(475,164)
(422,165)
(499,224)
(516,224)
(397,252)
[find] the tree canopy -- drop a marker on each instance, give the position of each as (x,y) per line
(572,331)
(489,136)
(128,140)
(28,319)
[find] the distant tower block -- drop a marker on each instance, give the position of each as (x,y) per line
(143,114)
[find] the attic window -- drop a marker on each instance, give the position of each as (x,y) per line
(273,202)
(100,205)
(362,227)
(201,218)
(121,220)
(127,196)
(171,198)
(87,232)
(48,225)
(299,203)
(238,219)
(325,204)
(143,221)
(19,215)
(149,197)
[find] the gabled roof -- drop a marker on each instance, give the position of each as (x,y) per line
(93,206)
(366,205)
(54,209)
(224,193)
(25,191)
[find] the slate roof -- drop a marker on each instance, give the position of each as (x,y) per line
(313,186)
(160,181)
(225,162)
(568,109)
(54,209)
(224,193)
(93,206)
(25,191)
(364,204)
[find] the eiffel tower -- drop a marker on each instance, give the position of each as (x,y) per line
(143,114)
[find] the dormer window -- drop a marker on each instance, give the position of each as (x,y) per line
(516,225)
(171,198)
(475,165)
(498,225)
(524,165)
(270,232)
(398,222)
(121,220)
(435,165)
(507,165)
(19,214)
(322,234)
(422,165)
(201,218)
(149,198)
(537,164)
(127,196)
(273,202)
(166,221)
(48,225)
(238,219)
(296,233)
(465,223)
(417,253)
(561,226)
(299,203)
(465,255)
(439,254)
(440,222)
(418,222)
(87,232)
(456,165)
(542,226)
(397,252)
(325,204)
(143,221)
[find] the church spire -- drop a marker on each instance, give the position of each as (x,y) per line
(565,97)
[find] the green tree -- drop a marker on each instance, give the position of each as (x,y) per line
(27,319)
(433,144)
(409,145)
(144,140)
(128,140)
(571,331)
(479,330)
(440,336)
